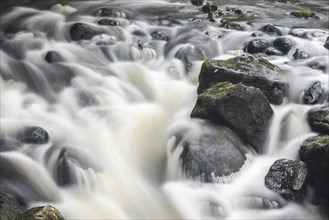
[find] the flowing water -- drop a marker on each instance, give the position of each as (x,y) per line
(122,100)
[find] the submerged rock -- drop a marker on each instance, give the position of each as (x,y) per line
(158,35)
(208,8)
(271,51)
(299,54)
(9,207)
(257,46)
(80,31)
(271,30)
(244,109)
(9,144)
(109,22)
(53,56)
(326,44)
(43,213)
(33,135)
(188,54)
(304,14)
(313,93)
(217,153)
(112,12)
(315,152)
(318,119)
(197,2)
(288,178)
(248,69)
(283,44)
(233,26)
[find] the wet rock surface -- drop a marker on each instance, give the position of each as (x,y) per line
(53,56)
(9,144)
(80,31)
(288,178)
(270,29)
(228,104)
(43,212)
(313,93)
(9,207)
(188,54)
(257,46)
(108,22)
(299,54)
(33,135)
(318,119)
(283,44)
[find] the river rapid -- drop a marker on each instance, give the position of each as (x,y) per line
(121,102)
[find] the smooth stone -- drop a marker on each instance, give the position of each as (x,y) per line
(33,135)
(257,46)
(271,51)
(53,56)
(271,30)
(188,54)
(299,54)
(80,31)
(318,119)
(283,44)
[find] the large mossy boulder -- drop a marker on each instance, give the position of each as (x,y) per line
(315,152)
(9,207)
(248,69)
(244,109)
(288,178)
(43,213)
(213,156)
(318,119)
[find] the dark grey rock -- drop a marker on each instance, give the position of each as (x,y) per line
(283,44)
(215,154)
(304,14)
(257,34)
(257,46)
(248,69)
(299,54)
(315,152)
(288,178)
(208,8)
(234,10)
(112,12)
(53,56)
(158,35)
(33,135)
(313,93)
(9,207)
(326,44)
(318,119)
(233,26)
(41,213)
(80,31)
(228,104)
(188,54)
(197,2)
(108,22)
(9,144)
(271,51)
(271,30)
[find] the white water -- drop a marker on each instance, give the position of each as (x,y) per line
(144,97)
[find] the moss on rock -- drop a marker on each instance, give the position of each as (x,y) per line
(304,14)
(41,213)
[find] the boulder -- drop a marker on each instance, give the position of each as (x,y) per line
(43,212)
(188,54)
(318,119)
(233,26)
(304,14)
(9,207)
(108,22)
(112,12)
(313,93)
(158,35)
(270,29)
(248,69)
(257,34)
(80,31)
(208,8)
(326,44)
(315,152)
(9,144)
(33,135)
(216,153)
(197,2)
(244,109)
(299,54)
(283,44)
(288,178)
(271,51)
(53,56)
(257,46)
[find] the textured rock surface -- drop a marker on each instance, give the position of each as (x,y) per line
(257,46)
(9,207)
(33,135)
(41,213)
(318,119)
(189,53)
(80,31)
(313,93)
(283,44)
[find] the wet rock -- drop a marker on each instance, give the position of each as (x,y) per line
(326,44)
(234,10)
(313,93)
(208,8)
(283,44)
(112,12)
(9,207)
(257,46)
(271,30)
(318,119)
(189,53)
(86,98)
(217,153)
(33,135)
(211,17)
(233,26)
(299,54)
(9,144)
(301,33)
(271,51)
(288,178)
(315,152)
(53,56)
(157,35)
(197,2)
(43,213)
(228,104)
(248,69)
(304,14)
(257,34)
(318,66)
(108,22)
(80,31)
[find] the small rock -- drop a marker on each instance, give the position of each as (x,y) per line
(80,31)
(43,213)
(271,51)
(301,33)
(111,12)
(299,54)
(9,144)
(271,30)
(288,178)
(257,46)
(33,135)
(257,34)
(208,8)
(326,44)
(304,14)
(318,119)
(283,44)
(9,207)
(315,152)
(108,22)
(157,35)
(211,17)
(189,53)
(228,104)
(233,9)
(313,93)
(53,57)
(197,2)
(233,26)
